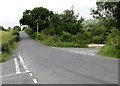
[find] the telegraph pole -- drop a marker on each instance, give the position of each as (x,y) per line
(37,28)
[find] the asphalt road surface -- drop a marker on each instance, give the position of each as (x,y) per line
(34,63)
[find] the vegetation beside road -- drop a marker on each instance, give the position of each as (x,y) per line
(65,40)
(112,47)
(9,39)
(67,29)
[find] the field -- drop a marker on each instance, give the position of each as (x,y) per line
(6,35)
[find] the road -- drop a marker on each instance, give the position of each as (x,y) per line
(34,63)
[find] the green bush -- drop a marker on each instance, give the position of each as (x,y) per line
(17,28)
(113,38)
(67,37)
(10,39)
(40,36)
(108,50)
(112,47)
(29,31)
(5,47)
(34,35)
(99,34)
(96,39)
(69,44)
(15,32)
(16,38)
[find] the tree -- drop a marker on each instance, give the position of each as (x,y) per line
(108,10)
(67,21)
(38,15)
(18,28)
(26,18)
(72,24)
(9,28)
(2,28)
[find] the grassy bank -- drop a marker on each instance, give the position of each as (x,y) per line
(112,47)
(8,43)
(110,51)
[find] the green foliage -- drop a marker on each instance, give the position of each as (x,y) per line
(108,10)
(90,23)
(5,36)
(8,42)
(34,35)
(67,37)
(110,51)
(17,28)
(99,34)
(67,22)
(5,55)
(5,47)
(113,38)
(40,36)
(112,47)
(2,28)
(82,37)
(56,25)
(29,31)
(69,44)
(16,36)
(38,15)
(15,32)
(9,39)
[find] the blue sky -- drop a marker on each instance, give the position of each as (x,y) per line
(11,10)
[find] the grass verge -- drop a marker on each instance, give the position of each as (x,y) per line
(5,55)
(9,41)
(110,51)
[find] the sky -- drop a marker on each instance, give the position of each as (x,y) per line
(12,10)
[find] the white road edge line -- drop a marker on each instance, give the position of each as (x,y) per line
(27,71)
(30,74)
(35,81)
(17,66)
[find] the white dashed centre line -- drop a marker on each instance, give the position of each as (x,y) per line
(92,54)
(27,69)
(30,74)
(35,81)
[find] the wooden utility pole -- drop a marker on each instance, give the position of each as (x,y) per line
(37,28)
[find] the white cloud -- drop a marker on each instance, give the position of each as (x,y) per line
(11,10)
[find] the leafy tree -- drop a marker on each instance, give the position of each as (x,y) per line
(67,21)
(38,15)
(56,25)
(18,28)
(71,22)
(9,28)
(2,28)
(108,10)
